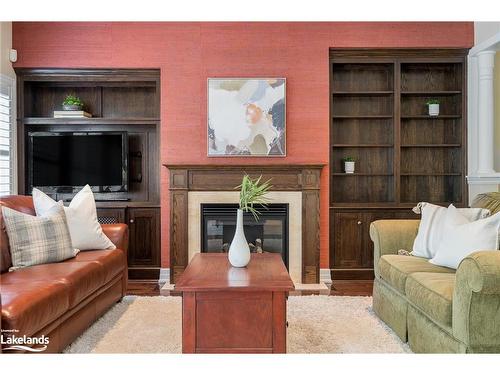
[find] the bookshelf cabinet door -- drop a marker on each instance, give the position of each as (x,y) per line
(348,239)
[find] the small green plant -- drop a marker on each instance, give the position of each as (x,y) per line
(73,100)
(253,192)
(432,101)
(348,159)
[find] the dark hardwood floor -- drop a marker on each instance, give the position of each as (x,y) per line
(351,288)
(338,288)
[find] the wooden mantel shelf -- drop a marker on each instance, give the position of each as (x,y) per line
(244,166)
(284,177)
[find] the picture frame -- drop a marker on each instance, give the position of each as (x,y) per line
(246,117)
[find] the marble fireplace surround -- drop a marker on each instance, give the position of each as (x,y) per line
(297,185)
(292,198)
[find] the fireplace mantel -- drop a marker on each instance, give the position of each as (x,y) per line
(297,177)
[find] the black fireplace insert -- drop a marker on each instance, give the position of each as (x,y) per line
(268,234)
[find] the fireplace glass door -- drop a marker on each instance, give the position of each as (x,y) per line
(268,234)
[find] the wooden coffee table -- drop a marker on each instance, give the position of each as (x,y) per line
(234,310)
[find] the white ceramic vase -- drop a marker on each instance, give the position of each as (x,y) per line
(349,166)
(239,251)
(433,109)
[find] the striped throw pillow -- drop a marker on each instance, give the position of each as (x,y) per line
(38,240)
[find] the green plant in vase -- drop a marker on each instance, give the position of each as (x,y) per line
(349,164)
(433,105)
(72,103)
(252,194)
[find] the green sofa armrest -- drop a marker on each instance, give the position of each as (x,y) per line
(476,301)
(389,236)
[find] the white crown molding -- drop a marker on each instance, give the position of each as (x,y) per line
(490,44)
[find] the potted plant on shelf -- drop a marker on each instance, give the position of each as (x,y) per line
(433,105)
(349,163)
(72,103)
(252,193)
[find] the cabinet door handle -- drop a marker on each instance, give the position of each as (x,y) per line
(131,221)
(360,222)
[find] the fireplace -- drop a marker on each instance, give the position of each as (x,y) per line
(268,234)
(296,185)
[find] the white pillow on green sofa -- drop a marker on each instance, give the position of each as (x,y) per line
(431,226)
(461,237)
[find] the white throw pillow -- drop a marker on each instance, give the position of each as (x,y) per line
(431,226)
(462,237)
(86,232)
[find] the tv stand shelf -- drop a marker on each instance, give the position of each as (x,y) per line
(120,100)
(89,121)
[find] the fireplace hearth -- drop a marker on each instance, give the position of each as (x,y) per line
(268,234)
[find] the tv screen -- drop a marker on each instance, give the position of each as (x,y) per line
(67,161)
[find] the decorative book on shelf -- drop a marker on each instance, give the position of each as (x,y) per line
(71,114)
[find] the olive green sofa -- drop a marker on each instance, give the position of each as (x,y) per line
(435,309)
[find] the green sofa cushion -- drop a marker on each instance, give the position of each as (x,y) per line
(432,293)
(394,269)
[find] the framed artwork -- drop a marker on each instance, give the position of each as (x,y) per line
(246,117)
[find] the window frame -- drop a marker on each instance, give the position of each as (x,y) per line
(10,83)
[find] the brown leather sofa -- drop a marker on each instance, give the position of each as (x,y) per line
(60,300)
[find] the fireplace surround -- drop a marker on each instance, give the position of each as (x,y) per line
(303,179)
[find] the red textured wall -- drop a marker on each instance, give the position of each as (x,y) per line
(189,53)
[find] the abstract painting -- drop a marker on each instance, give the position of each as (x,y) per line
(246,117)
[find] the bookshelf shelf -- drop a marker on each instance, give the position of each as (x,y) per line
(430,93)
(360,93)
(362,116)
(432,145)
(346,145)
(427,117)
(342,174)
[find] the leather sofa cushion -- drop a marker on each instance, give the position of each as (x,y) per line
(432,293)
(81,278)
(32,304)
(394,269)
(112,261)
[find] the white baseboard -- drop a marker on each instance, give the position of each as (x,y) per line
(164,276)
(314,287)
(325,276)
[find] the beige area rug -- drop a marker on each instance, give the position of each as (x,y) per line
(317,324)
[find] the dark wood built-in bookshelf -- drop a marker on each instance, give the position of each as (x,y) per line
(403,156)
(119,100)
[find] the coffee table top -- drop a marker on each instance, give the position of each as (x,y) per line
(213,272)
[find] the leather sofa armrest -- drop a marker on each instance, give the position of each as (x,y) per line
(476,300)
(389,236)
(118,234)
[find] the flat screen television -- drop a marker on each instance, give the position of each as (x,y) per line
(64,162)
